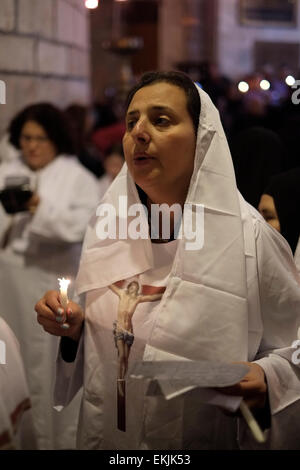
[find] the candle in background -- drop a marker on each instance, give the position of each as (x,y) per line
(63,287)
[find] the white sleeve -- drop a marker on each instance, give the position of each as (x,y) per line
(279,289)
(69,377)
(279,286)
(67,220)
(297,255)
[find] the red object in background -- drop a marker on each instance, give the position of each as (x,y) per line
(106,137)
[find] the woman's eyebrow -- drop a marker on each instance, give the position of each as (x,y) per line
(131,113)
(162,108)
(153,108)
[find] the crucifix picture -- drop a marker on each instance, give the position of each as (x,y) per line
(129,298)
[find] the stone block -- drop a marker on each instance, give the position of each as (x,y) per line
(52,90)
(36,16)
(52,58)
(64,22)
(72,24)
(79,4)
(16,53)
(80,29)
(23,91)
(78,91)
(79,65)
(64,92)
(7,15)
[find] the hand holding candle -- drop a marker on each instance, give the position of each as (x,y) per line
(52,316)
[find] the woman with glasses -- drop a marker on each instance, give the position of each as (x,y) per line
(47,198)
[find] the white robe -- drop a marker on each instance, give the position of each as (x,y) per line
(16,427)
(235,299)
(104,183)
(297,255)
(40,249)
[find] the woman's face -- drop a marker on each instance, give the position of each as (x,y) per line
(268,210)
(37,149)
(159,142)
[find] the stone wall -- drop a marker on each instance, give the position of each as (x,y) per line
(180,32)
(235,49)
(44,53)
(180,36)
(112,21)
(105,65)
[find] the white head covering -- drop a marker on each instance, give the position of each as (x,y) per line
(203,313)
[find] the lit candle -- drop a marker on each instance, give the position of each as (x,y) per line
(63,287)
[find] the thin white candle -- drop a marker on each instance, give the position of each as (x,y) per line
(252,423)
(63,287)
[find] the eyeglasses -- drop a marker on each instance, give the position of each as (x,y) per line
(38,139)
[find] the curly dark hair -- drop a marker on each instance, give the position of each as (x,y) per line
(51,119)
(178,79)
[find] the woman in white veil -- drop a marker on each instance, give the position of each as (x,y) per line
(233,298)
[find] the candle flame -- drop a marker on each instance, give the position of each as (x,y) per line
(91,3)
(64,283)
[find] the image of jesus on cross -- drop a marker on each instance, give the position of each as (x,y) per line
(123,329)
(129,298)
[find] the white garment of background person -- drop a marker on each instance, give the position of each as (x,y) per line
(297,256)
(16,426)
(104,183)
(235,299)
(41,248)
(7,151)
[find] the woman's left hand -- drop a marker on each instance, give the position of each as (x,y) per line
(253,387)
(33,203)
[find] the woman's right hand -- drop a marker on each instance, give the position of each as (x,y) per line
(56,321)
(33,203)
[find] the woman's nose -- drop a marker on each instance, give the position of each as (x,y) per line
(141,131)
(32,144)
